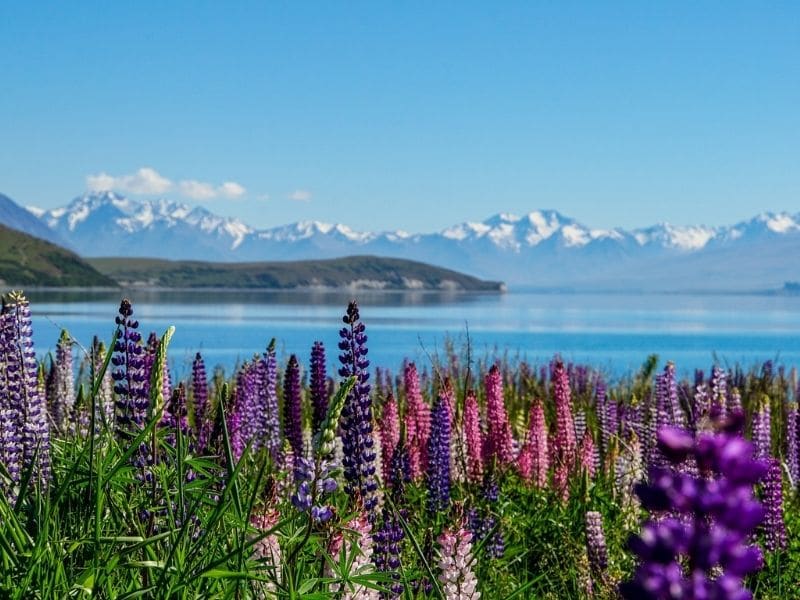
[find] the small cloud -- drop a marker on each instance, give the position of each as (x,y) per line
(196,190)
(143,181)
(231,189)
(300,196)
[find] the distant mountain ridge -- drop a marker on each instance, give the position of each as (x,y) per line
(542,248)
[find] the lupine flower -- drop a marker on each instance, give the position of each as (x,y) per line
(104,402)
(774,526)
(792,450)
(474,438)
(439,458)
(390,434)
(386,552)
(202,417)
(418,422)
(719,392)
(26,427)
(762,430)
(357,440)
(458,580)
(499,440)
(564,444)
(596,545)
(359,555)
(129,373)
(318,386)
(586,453)
(703,552)
(61,393)
(629,469)
(670,394)
(267,550)
(292,406)
(267,416)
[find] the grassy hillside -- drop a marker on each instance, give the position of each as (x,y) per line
(26,260)
(365,272)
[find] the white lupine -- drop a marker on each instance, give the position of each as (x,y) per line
(359,557)
(457,579)
(268,552)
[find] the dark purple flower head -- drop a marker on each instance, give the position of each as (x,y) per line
(129,373)
(439,457)
(318,386)
(292,406)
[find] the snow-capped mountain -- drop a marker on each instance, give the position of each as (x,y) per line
(14,216)
(542,248)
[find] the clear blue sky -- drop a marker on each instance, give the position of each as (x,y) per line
(409,115)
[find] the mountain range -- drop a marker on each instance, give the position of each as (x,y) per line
(543,248)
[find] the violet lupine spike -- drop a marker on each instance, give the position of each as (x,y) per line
(439,458)
(671,395)
(203,424)
(702,553)
(356,420)
(474,438)
(24,390)
(792,457)
(499,439)
(564,445)
(418,422)
(11,405)
(762,429)
(774,525)
(293,406)
(130,378)
(62,402)
(580,423)
(318,386)
(603,417)
(596,545)
(390,435)
(268,420)
(719,392)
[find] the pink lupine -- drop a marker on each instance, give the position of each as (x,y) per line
(267,551)
(358,548)
(474,438)
(457,579)
(564,445)
(499,440)
(418,423)
(587,453)
(389,427)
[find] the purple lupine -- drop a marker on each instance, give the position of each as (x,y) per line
(130,378)
(774,526)
(596,545)
(670,395)
(293,406)
(604,415)
(175,415)
(11,405)
(702,552)
(356,421)
(719,392)
(792,457)
(24,398)
(762,429)
(318,386)
(267,417)
(439,457)
(203,424)
(61,391)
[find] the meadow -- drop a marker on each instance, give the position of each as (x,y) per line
(467,477)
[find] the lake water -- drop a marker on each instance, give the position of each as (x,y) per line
(611,331)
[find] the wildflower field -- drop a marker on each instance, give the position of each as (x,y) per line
(469,477)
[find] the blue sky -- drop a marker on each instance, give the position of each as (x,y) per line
(407,115)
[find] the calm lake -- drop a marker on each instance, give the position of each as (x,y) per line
(611,331)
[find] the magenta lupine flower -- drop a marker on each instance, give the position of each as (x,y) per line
(390,435)
(418,423)
(596,545)
(439,458)
(456,576)
(702,552)
(499,439)
(774,526)
(474,437)
(203,424)
(267,551)
(586,453)
(564,445)
(318,386)
(293,407)
(23,395)
(792,456)
(762,429)
(533,461)
(356,420)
